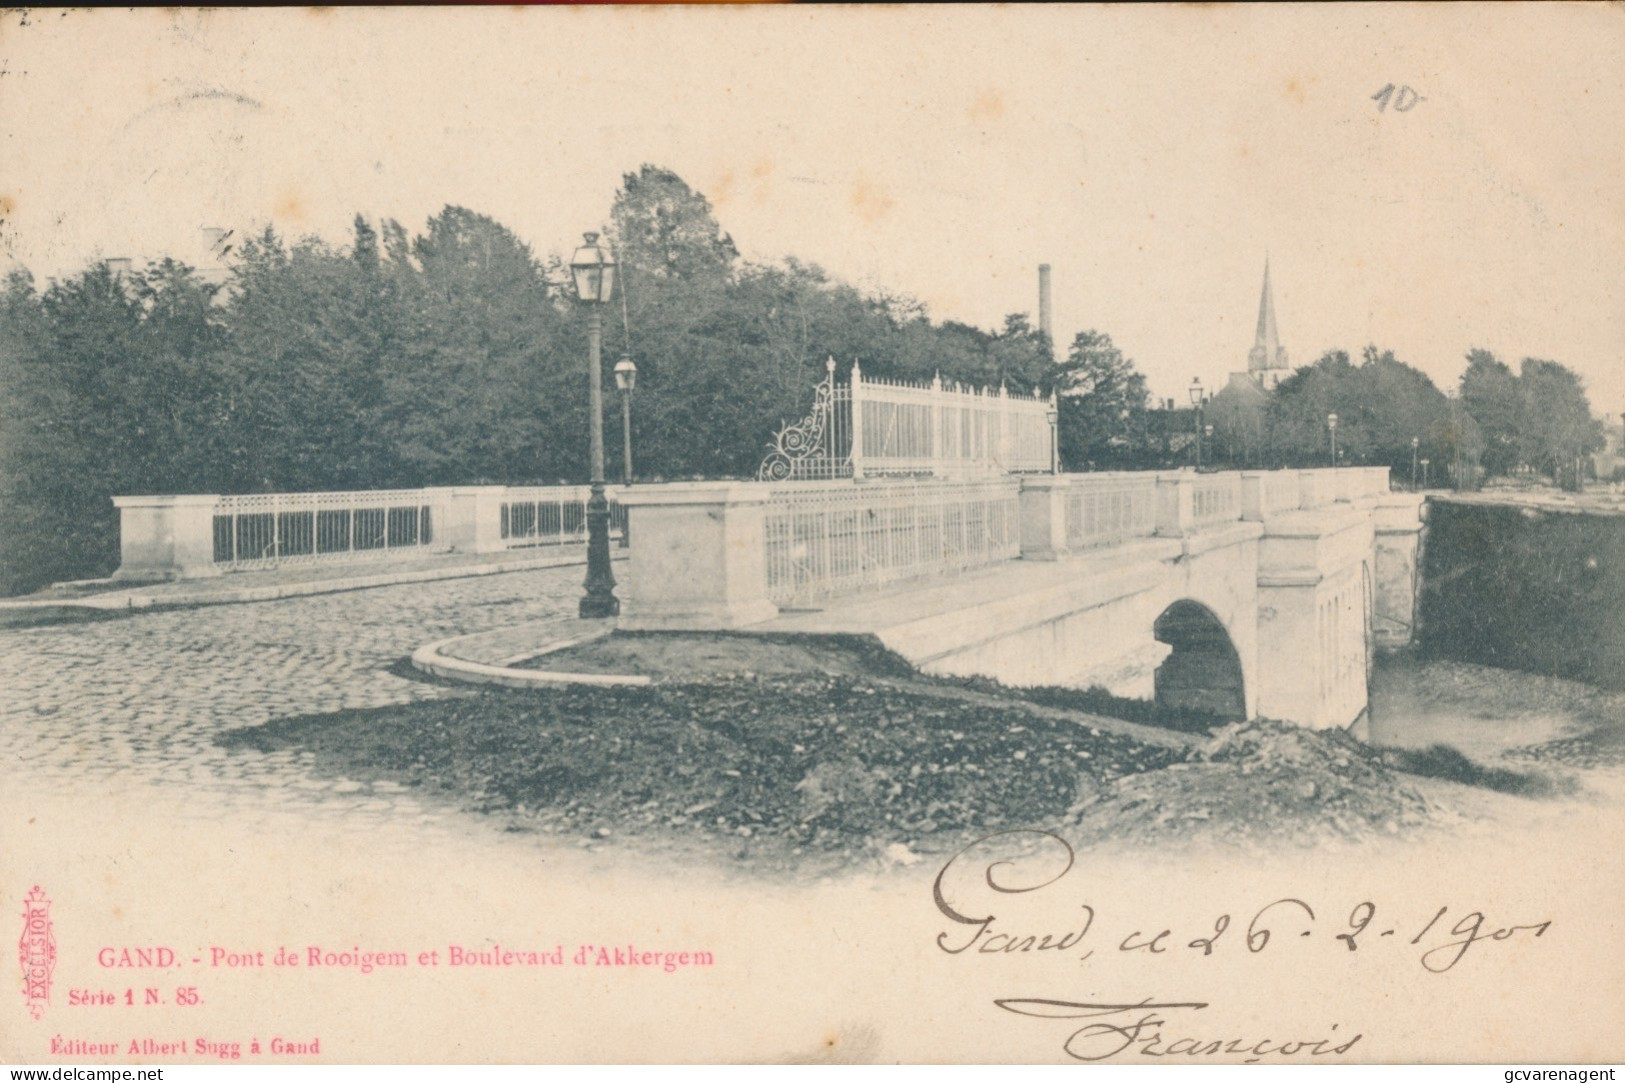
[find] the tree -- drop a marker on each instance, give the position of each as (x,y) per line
(1555,427)
(1382,404)
(664,230)
(1539,418)
(1102,401)
(1490,393)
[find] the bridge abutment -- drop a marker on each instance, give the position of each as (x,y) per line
(1397,558)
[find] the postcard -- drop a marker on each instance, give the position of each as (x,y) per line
(1029,534)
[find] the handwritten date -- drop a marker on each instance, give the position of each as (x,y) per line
(1443,940)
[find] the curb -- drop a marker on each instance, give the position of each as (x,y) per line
(127,600)
(431,658)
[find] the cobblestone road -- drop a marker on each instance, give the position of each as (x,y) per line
(138,700)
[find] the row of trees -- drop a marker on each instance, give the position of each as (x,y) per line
(1499,422)
(455,355)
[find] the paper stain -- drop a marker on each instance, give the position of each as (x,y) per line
(841,1045)
(870,201)
(987,108)
(761,174)
(722,190)
(290,206)
(726,188)
(7,206)
(1297,87)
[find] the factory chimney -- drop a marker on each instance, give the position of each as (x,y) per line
(1044,310)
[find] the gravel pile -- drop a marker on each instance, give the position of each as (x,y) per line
(1258,781)
(820,762)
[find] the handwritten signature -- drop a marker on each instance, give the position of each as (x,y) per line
(1143,1025)
(1285,918)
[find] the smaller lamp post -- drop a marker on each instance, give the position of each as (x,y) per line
(1424,473)
(1196,401)
(1416,442)
(626,378)
(1053,414)
(1331,426)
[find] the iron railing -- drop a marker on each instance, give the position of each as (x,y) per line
(553,515)
(830,538)
(266,530)
(1105,509)
(1215,498)
(875,428)
(270,530)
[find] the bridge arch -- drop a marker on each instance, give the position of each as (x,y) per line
(1203,672)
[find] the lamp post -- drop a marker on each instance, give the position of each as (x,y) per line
(1331,426)
(1424,473)
(594,271)
(1053,415)
(626,378)
(1416,442)
(1196,401)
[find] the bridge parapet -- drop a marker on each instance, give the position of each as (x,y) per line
(1301,569)
(1188,501)
(1069,513)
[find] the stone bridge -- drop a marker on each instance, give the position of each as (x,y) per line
(1254,593)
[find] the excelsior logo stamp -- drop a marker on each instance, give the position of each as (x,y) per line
(36,950)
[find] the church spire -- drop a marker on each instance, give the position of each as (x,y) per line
(1266,358)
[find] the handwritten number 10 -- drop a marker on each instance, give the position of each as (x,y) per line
(1404,101)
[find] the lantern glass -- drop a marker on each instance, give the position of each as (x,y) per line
(1196,392)
(594,271)
(626,374)
(1331,421)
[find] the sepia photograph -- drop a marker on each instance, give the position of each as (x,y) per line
(1036,534)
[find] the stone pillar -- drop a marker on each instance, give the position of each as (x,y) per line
(1311,617)
(1176,511)
(166,537)
(1254,499)
(468,518)
(1043,517)
(1396,552)
(701,557)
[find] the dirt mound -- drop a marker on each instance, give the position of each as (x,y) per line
(1257,782)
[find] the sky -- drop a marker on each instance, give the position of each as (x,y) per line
(1152,155)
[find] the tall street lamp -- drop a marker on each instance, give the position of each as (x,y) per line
(1416,442)
(594,271)
(1196,401)
(1331,426)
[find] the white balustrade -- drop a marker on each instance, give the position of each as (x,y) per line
(828,539)
(1105,509)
